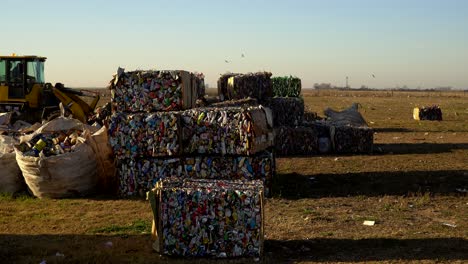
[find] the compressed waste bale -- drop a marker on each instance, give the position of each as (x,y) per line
(138,176)
(288,86)
(296,141)
(150,91)
(11,180)
(208,218)
(433,113)
(287,111)
(198,80)
(223,84)
(226,131)
(47,170)
(256,85)
(145,134)
(246,102)
(351,139)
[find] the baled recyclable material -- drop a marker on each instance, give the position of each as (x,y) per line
(150,91)
(296,141)
(136,177)
(223,85)
(287,86)
(145,134)
(348,117)
(208,218)
(352,139)
(256,85)
(433,113)
(226,131)
(287,111)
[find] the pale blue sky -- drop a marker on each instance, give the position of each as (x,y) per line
(403,42)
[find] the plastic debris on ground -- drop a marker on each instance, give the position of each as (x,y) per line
(433,113)
(208,218)
(287,111)
(145,134)
(150,91)
(287,86)
(136,177)
(226,131)
(256,85)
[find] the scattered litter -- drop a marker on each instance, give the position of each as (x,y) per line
(336,159)
(449,225)
(108,244)
(369,223)
(372,122)
(311,178)
(427,133)
(396,138)
(307,218)
(462,190)
(58,254)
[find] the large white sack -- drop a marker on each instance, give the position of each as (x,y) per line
(10,174)
(65,175)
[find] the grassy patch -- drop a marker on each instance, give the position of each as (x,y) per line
(137,227)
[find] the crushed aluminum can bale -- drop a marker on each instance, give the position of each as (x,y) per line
(245,102)
(288,86)
(226,131)
(256,85)
(433,113)
(223,85)
(138,176)
(296,141)
(350,139)
(287,111)
(150,91)
(145,134)
(208,218)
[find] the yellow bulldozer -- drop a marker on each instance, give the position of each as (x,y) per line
(24,91)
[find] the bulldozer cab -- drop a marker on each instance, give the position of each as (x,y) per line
(18,75)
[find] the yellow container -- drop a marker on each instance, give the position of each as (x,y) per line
(40,145)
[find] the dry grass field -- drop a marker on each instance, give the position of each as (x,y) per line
(413,186)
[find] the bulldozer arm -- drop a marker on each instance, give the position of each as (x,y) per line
(79,108)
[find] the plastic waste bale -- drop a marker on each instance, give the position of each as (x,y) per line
(288,86)
(287,111)
(255,85)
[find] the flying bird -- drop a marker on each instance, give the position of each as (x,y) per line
(373,75)
(242,55)
(226,61)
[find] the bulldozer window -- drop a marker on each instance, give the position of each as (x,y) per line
(16,71)
(2,70)
(35,71)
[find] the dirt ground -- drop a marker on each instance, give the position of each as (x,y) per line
(414,186)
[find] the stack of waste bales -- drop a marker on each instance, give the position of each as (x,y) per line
(433,113)
(185,142)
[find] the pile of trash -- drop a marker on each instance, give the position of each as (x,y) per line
(50,144)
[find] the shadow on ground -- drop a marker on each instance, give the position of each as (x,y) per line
(137,249)
(417,148)
(296,186)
